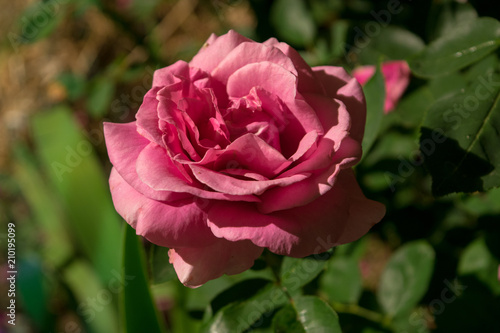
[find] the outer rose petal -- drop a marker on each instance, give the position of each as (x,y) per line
(340,216)
(216,49)
(307,82)
(175,224)
(248,53)
(124,145)
(196,266)
(164,76)
(338,84)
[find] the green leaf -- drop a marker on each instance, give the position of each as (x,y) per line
(406,278)
(374,91)
(44,206)
(161,270)
(293,22)
(99,98)
(411,110)
(307,314)
(392,43)
(466,45)
(481,68)
(139,311)
(96,300)
(341,281)
(355,250)
(240,316)
(450,16)
(32,287)
(68,159)
(415,321)
(296,272)
(477,260)
(238,292)
(484,203)
(460,138)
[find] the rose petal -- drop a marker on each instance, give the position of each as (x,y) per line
(278,81)
(166,76)
(230,185)
(340,216)
(397,78)
(177,224)
(248,53)
(304,192)
(338,84)
(307,82)
(363,73)
(252,153)
(325,154)
(271,77)
(147,117)
(396,75)
(326,109)
(215,50)
(305,145)
(196,266)
(156,170)
(124,145)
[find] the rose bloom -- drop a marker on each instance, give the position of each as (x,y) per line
(245,147)
(396,76)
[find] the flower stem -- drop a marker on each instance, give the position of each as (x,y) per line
(357,310)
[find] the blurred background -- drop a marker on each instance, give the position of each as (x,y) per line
(66,66)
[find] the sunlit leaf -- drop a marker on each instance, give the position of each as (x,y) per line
(307,314)
(68,159)
(250,313)
(466,44)
(460,137)
(139,311)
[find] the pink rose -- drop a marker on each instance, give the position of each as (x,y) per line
(396,75)
(243,148)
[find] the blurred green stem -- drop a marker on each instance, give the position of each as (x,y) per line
(357,310)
